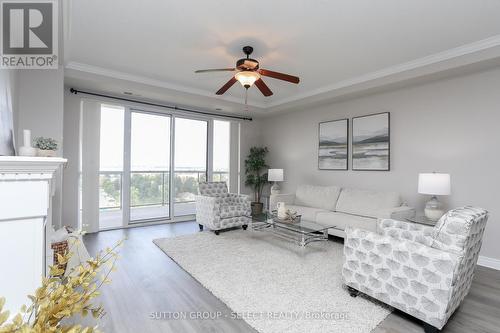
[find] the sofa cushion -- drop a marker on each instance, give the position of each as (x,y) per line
(366,203)
(342,220)
(324,197)
(308,213)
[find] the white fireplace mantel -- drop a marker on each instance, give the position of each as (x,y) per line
(26,190)
(11,165)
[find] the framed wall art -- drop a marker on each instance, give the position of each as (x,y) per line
(333,145)
(371,142)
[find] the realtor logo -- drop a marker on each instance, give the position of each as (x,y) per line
(29,34)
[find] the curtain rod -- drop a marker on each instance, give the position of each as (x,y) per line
(75,91)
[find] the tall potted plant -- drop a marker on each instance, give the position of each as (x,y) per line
(256,177)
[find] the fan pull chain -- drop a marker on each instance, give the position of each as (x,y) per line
(246,99)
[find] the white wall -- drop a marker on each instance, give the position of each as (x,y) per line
(40,109)
(448,126)
(8,105)
(250,136)
(40,104)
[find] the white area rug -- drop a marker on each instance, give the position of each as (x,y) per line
(274,284)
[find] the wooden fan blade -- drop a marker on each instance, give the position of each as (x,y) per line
(264,89)
(215,70)
(226,86)
(279,76)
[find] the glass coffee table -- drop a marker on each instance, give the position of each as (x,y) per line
(421,219)
(302,232)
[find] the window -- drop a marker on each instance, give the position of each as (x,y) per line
(149,166)
(221,151)
(151,163)
(190,166)
(111,166)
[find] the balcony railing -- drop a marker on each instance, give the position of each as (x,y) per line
(151,188)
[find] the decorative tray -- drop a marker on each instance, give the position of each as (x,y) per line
(292,217)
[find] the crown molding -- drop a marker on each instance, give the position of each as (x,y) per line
(451,58)
(420,63)
(81,67)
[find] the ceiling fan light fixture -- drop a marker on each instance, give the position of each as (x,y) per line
(247,78)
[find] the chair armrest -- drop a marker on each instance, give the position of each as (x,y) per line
(360,239)
(406,231)
(207,200)
(287,198)
(208,210)
(396,213)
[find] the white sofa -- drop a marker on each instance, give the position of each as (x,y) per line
(343,207)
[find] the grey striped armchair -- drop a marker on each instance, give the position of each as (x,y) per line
(218,209)
(421,270)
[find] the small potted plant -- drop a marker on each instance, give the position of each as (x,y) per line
(255,164)
(46,146)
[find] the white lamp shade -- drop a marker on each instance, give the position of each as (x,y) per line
(275,175)
(434,183)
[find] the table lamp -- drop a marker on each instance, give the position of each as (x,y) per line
(275,175)
(434,184)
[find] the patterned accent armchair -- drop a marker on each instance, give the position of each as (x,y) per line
(217,209)
(421,270)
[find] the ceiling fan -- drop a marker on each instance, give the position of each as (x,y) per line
(249,73)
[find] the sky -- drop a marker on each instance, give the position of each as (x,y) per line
(371,125)
(150,142)
(334,130)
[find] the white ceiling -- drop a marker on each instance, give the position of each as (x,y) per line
(335,46)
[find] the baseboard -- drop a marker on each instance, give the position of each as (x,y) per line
(489,262)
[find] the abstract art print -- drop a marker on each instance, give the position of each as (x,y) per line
(371,142)
(333,145)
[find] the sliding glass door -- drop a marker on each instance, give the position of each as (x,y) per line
(149,166)
(190,163)
(111,166)
(221,151)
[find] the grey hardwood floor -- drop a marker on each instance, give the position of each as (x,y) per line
(149,283)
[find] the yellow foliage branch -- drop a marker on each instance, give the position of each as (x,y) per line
(61,297)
